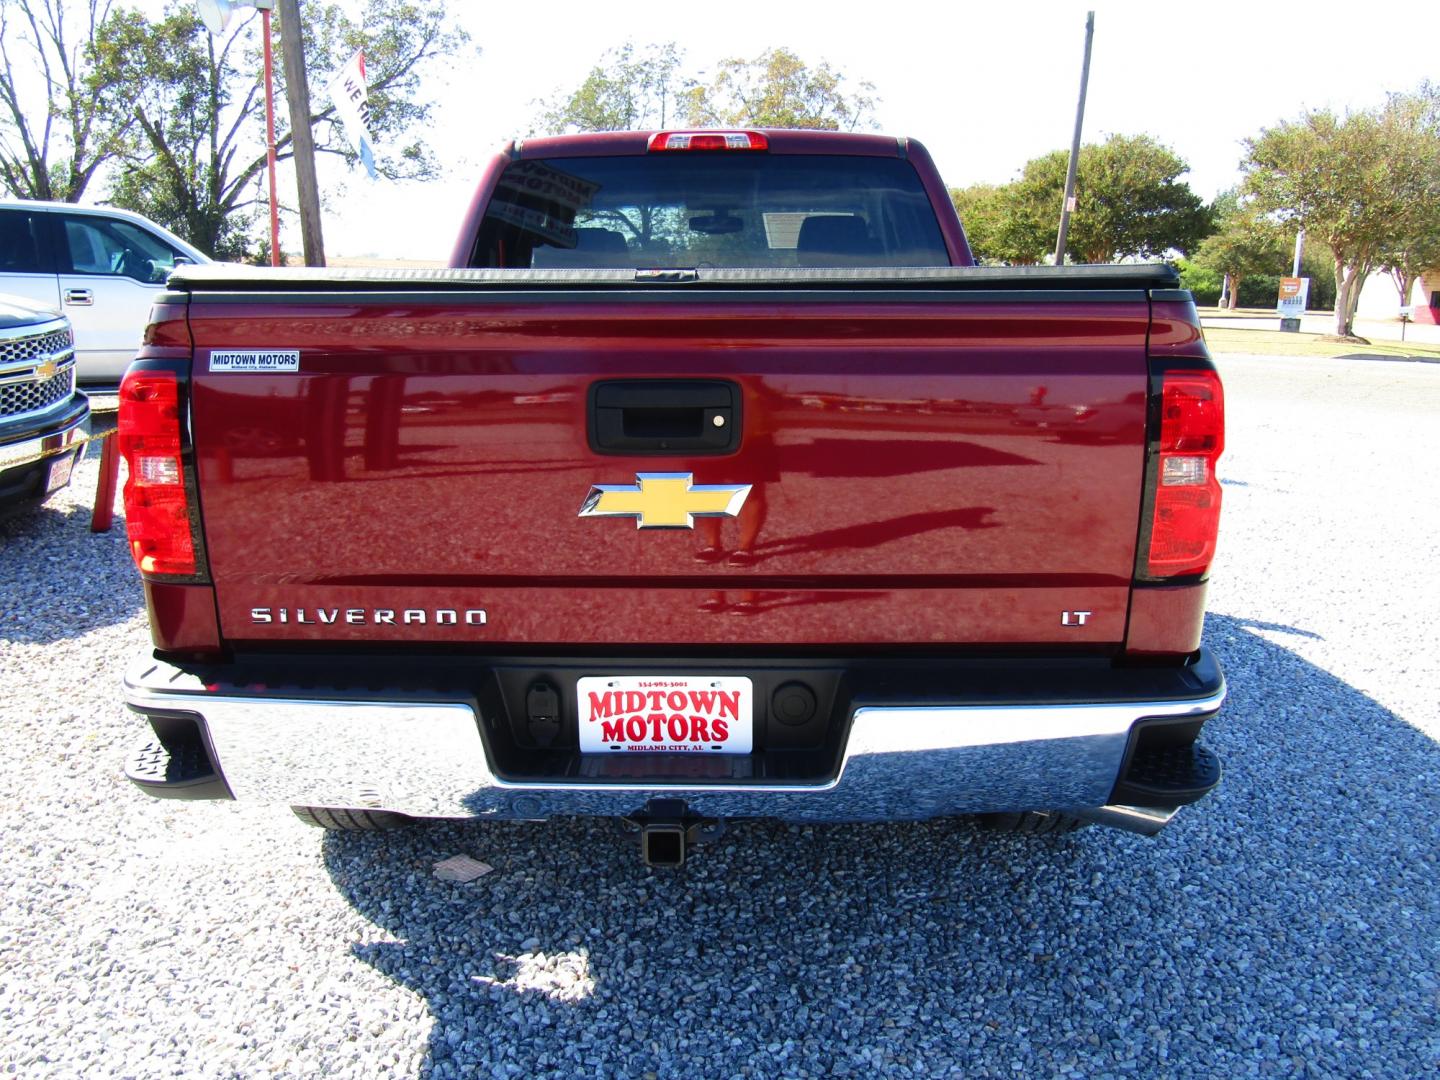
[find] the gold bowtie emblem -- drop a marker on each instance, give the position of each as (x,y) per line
(46,369)
(664,500)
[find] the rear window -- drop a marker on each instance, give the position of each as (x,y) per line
(679,210)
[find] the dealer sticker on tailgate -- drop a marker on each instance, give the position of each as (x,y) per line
(261,360)
(707,714)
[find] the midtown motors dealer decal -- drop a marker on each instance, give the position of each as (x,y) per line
(256,360)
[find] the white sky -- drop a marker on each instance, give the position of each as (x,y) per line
(985,86)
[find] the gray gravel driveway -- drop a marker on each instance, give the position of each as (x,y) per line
(1287,926)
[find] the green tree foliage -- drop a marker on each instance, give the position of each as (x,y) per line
(780,90)
(1131,203)
(1204,284)
(1410,256)
(1244,244)
(628,88)
(1262,290)
(1415,246)
(53,132)
(999,229)
(1353,182)
(645,87)
(194,157)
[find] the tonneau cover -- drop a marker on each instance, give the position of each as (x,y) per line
(223,277)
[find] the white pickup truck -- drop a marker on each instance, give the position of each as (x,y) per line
(100,266)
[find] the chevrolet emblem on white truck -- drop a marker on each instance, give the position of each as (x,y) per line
(664,500)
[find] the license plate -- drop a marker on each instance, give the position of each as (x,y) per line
(60,470)
(709,714)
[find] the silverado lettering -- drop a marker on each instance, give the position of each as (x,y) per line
(912,538)
(359,616)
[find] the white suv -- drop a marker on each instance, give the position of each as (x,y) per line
(100,266)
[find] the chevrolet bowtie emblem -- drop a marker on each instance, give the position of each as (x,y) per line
(46,368)
(664,500)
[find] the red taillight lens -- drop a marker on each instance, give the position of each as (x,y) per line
(157,509)
(708,140)
(1187,496)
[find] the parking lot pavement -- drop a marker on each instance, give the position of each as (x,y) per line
(1285,926)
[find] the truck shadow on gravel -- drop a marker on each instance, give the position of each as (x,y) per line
(1288,918)
(58,579)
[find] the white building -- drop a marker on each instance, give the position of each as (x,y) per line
(1379,299)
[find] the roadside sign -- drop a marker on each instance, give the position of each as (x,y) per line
(1294,295)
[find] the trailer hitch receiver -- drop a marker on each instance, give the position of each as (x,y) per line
(666,829)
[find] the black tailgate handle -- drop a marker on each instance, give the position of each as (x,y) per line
(664,416)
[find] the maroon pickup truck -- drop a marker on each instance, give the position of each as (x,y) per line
(712,481)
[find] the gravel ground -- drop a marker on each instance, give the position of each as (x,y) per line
(1286,926)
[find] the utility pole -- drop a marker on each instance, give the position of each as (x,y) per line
(1069,203)
(1299,251)
(302,142)
(270,135)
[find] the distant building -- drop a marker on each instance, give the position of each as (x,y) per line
(1379,299)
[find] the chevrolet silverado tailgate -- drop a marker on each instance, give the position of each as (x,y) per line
(937,457)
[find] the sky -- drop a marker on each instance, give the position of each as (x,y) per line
(985,86)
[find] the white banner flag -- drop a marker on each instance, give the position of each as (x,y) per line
(352,104)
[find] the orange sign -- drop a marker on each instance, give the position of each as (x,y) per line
(1294,295)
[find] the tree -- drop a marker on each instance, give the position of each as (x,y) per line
(195,155)
(1352,182)
(1244,244)
(778,89)
(1131,204)
(1202,282)
(1262,290)
(1130,200)
(625,90)
(633,88)
(1415,247)
(52,135)
(999,228)
(1411,256)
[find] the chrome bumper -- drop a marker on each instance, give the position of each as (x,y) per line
(52,443)
(424,756)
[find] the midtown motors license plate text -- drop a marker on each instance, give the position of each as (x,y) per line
(702,714)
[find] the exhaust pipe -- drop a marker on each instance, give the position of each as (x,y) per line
(1145,820)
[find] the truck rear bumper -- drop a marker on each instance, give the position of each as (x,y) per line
(424,753)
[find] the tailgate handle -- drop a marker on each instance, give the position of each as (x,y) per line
(664,416)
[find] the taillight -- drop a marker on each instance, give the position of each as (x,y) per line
(157,507)
(708,140)
(1186,515)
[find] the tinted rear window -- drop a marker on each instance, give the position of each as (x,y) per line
(709,209)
